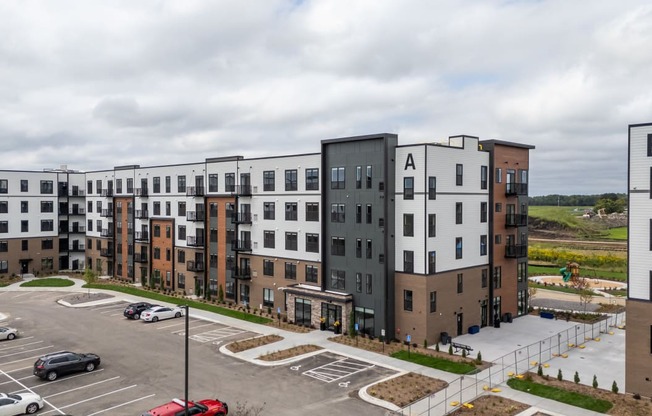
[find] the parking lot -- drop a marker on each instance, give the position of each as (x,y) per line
(143,364)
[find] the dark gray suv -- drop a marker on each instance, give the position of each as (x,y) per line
(51,366)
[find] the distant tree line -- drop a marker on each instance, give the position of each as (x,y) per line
(611,202)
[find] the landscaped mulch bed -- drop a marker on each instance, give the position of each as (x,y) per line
(405,389)
(290,352)
(493,405)
(79,298)
(250,343)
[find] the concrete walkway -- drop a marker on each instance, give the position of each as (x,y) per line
(460,389)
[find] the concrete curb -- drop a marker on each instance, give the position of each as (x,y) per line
(364,395)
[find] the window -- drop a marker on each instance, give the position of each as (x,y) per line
(407,300)
(408,225)
(432,262)
(24,206)
(24,226)
(521,272)
(291,180)
(118,186)
(229,182)
(291,241)
(408,261)
(408,187)
(157,184)
(168,208)
(458,248)
(369,171)
(47,225)
(24,185)
(181,279)
(368,283)
(168,254)
(4,266)
(498,277)
(312,243)
(312,179)
(459,171)
(369,216)
(157,253)
(269,239)
(181,209)
(157,208)
(168,184)
(483,177)
(268,297)
(358,248)
(4,186)
(311,274)
(268,267)
(358,213)
(4,246)
(499,175)
(358,282)
(483,245)
(458,213)
(484,278)
(290,270)
(338,246)
(181,184)
(48,206)
(337,213)
(130,185)
(98,186)
(89,207)
(499,207)
(433,302)
(649,145)
(24,245)
(291,211)
(269,210)
(338,279)
(181,256)
(4,207)
(369,249)
(269,178)
(244,293)
(212,182)
(358,181)
(90,225)
(312,211)
(182,232)
(432,187)
(89,186)
(47,187)
(460,283)
(4,227)
(483,212)
(338,178)
(432,225)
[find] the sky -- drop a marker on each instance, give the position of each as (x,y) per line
(97,84)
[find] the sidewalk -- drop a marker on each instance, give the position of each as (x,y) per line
(461,389)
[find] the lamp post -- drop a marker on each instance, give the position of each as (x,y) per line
(185,397)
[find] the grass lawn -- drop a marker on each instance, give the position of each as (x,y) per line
(563,396)
(590,274)
(563,215)
(434,362)
(619,233)
(48,282)
(193,304)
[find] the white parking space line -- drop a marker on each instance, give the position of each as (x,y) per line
(55,409)
(111,306)
(82,387)
(23,352)
(123,404)
(19,295)
(58,380)
(89,399)
(19,379)
(215,334)
(177,324)
(21,345)
(198,326)
(15,370)
(337,370)
(22,359)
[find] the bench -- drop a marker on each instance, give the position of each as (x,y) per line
(459,346)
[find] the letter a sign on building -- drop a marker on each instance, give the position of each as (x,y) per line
(409,162)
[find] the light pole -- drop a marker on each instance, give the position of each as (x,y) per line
(185,397)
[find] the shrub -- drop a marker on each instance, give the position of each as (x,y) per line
(614,387)
(637,396)
(450,350)
(463,353)
(425,343)
(540,370)
(576,378)
(478,360)
(595,382)
(560,376)
(437,347)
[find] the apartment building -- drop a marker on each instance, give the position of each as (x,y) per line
(417,239)
(638,349)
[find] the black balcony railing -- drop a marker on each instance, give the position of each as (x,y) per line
(106,252)
(242,218)
(141,236)
(241,245)
(195,241)
(195,266)
(107,213)
(78,192)
(243,273)
(142,214)
(78,211)
(140,257)
(513,188)
(195,215)
(516,250)
(142,192)
(243,190)
(516,220)
(78,229)
(195,191)
(107,192)
(106,232)
(79,248)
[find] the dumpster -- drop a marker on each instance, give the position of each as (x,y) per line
(444,338)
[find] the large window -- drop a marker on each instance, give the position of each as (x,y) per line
(311,274)
(358,282)
(358,178)
(229,182)
(408,261)
(460,283)
(290,270)
(407,300)
(268,297)
(369,216)
(408,225)
(433,302)
(459,174)
(369,177)
(337,212)
(458,213)
(358,213)
(4,227)
(24,226)
(432,262)
(291,180)
(337,178)
(291,241)
(369,249)
(358,247)
(4,186)
(47,187)
(338,279)
(521,272)
(48,244)
(312,211)
(338,246)
(24,185)
(157,185)
(212,182)
(181,209)
(291,209)
(312,243)
(268,267)
(269,210)
(483,212)
(24,206)
(483,177)
(47,225)
(498,277)
(458,247)
(408,187)
(4,207)
(269,177)
(369,281)
(312,179)
(181,184)
(269,239)
(432,225)
(432,187)
(483,245)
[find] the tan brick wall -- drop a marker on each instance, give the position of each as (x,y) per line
(638,363)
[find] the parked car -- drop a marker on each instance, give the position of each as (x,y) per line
(158,313)
(51,366)
(134,310)
(207,407)
(8,333)
(19,403)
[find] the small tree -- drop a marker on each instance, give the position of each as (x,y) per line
(90,277)
(220,294)
(583,287)
(595,381)
(450,350)
(576,378)
(437,347)
(560,376)
(478,360)
(614,387)
(540,371)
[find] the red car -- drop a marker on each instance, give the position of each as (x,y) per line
(207,407)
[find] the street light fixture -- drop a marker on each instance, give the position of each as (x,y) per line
(185,395)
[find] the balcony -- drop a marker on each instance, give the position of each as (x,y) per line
(516,250)
(242,190)
(195,191)
(516,220)
(107,192)
(78,248)
(81,229)
(195,241)
(242,218)
(140,257)
(195,266)
(76,192)
(78,211)
(141,236)
(106,232)
(106,252)
(108,213)
(241,245)
(142,192)
(195,215)
(142,214)
(243,273)
(513,188)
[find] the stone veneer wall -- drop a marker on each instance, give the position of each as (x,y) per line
(315,310)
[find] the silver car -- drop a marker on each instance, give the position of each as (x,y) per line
(8,333)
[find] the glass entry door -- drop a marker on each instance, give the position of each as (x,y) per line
(331,313)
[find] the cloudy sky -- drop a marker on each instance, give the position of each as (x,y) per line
(95,84)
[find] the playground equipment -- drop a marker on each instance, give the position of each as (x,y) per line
(571,272)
